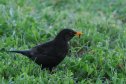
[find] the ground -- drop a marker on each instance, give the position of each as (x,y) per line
(98,56)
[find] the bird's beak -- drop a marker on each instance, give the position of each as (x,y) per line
(78,34)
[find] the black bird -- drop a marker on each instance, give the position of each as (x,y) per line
(51,53)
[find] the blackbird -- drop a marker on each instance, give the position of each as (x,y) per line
(51,53)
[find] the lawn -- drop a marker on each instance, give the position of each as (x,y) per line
(97,57)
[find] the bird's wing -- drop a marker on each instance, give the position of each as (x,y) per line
(42,50)
(44,54)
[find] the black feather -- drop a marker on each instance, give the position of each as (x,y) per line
(25,52)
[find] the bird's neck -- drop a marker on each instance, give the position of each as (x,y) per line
(62,46)
(61,41)
(60,38)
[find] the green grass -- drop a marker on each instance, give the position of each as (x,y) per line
(25,23)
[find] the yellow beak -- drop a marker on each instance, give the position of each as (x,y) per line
(78,34)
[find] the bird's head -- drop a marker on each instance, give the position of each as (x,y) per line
(67,34)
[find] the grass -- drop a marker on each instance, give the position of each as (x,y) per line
(25,23)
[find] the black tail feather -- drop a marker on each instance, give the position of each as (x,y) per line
(25,52)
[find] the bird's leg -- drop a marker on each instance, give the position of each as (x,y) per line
(50,69)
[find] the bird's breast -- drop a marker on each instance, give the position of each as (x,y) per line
(61,52)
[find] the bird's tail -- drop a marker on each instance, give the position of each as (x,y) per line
(23,52)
